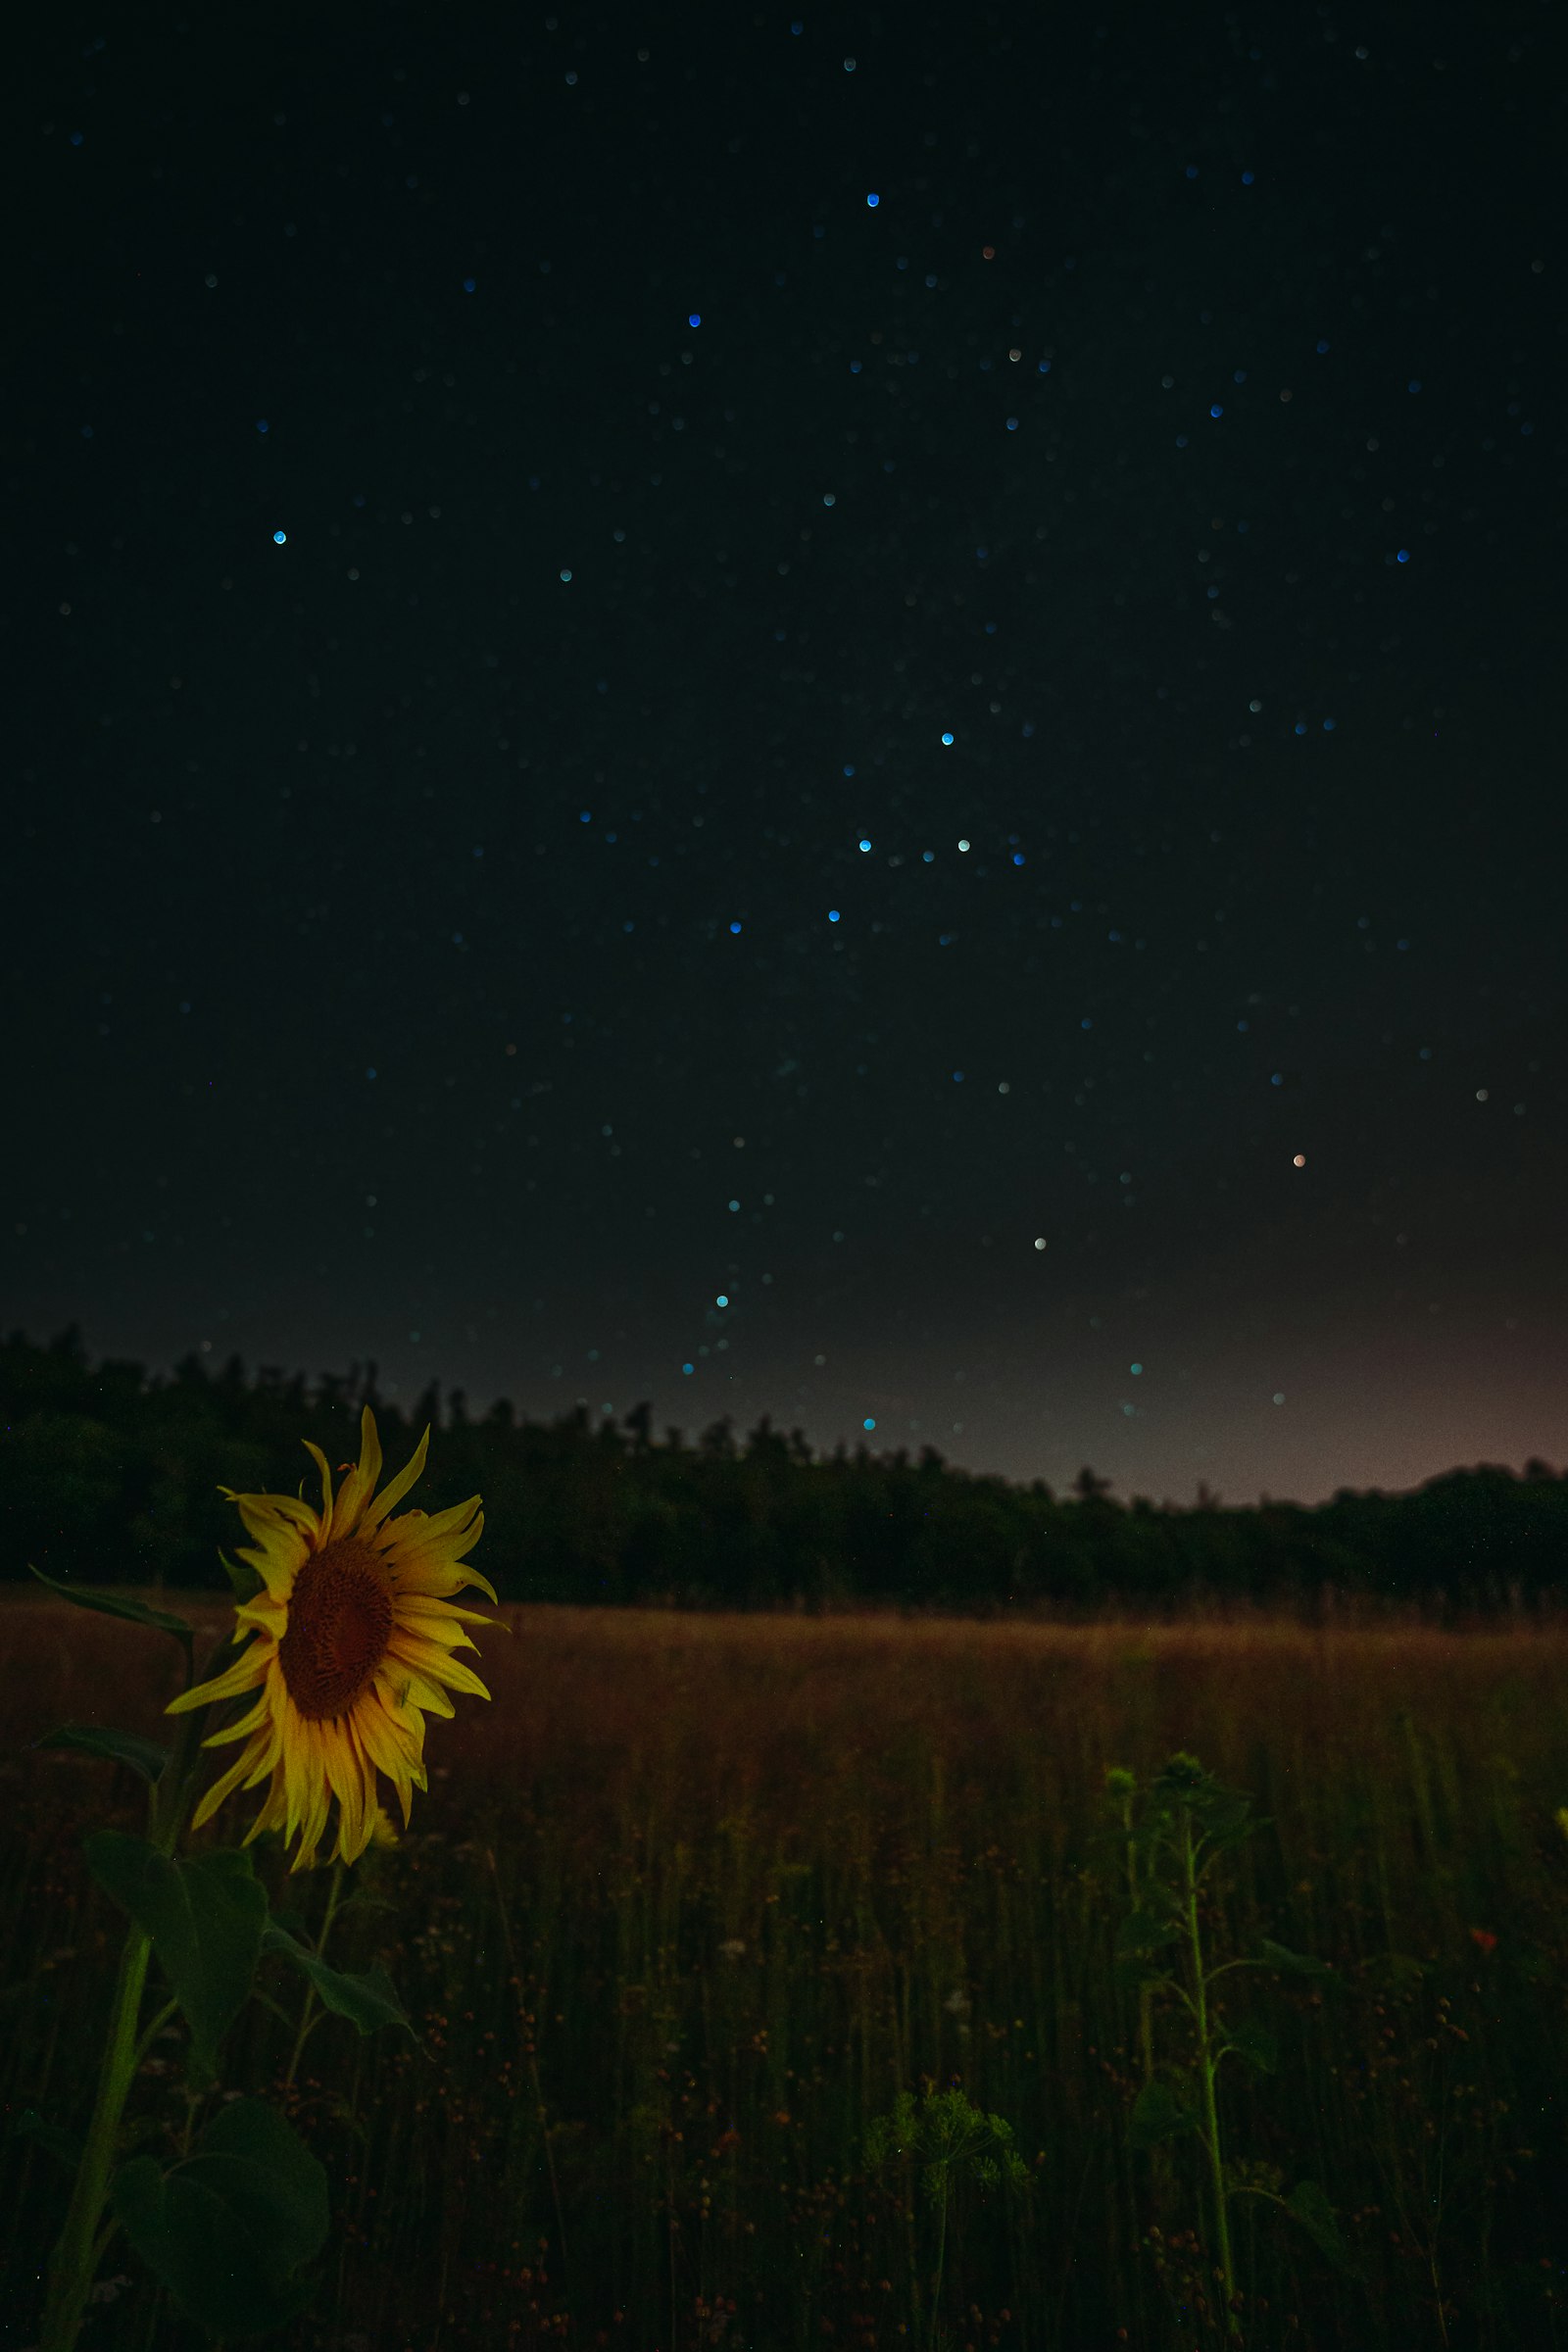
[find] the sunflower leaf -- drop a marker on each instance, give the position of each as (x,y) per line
(119,1747)
(1146,1929)
(204,1913)
(1254,2042)
(227,2230)
(243,1577)
(1317,2217)
(1292,1964)
(117,1605)
(367,2001)
(1161,2112)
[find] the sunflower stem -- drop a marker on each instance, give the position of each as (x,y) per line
(308,2014)
(72,2264)
(75,2256)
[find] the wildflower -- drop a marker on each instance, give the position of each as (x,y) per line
(1485,1939)
(354,1628)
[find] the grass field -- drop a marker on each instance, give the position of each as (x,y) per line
(694,1900)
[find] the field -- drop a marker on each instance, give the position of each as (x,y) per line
(697,1897)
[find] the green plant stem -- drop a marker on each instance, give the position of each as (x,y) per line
(152,2029)
(1145,1993)
(308,2014)
(942,2249)
(71,2264)
(76,2255)
(1209,2068)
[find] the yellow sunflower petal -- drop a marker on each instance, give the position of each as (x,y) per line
(270,1816)
(426,1578)
(409,1476)
(260,1714)
(241,1676)
(221,1787)
(360,1483)
(439,1629)
(428,1606)
(432,1660)
(277,1560)
(418,1528)
(319,1459)
(266,1613)
(386,1743)
(263,1514)
(418,1690)
(344,1773)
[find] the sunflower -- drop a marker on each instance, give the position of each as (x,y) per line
(355,1632)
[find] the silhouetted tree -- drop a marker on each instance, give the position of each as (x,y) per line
(111,1472)
(640,1422)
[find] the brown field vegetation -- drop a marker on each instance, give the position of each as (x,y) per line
(693,1899)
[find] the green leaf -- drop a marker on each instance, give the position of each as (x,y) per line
(1230,1831)
(116,1604)
(243,1577)
(204,1913)
(225,2230)
(1316,2216)
(1131,1972)
(1293,1964)
(117,1747)
(30,2125)
(1159,2113)
(367,2001)
(1255,2043)
(1144,1929)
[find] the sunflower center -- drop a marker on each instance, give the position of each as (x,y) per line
(339,1618)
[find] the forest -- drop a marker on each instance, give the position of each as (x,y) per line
(111,1474)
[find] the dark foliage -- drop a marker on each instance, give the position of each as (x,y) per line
(108,1474)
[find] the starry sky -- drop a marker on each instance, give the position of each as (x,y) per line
(856,716)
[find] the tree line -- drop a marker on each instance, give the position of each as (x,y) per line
(111,1475)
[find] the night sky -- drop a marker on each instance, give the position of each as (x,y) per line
(857,717)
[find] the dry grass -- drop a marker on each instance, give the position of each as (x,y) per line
(754,1875)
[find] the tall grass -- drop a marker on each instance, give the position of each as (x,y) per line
(692,1903)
